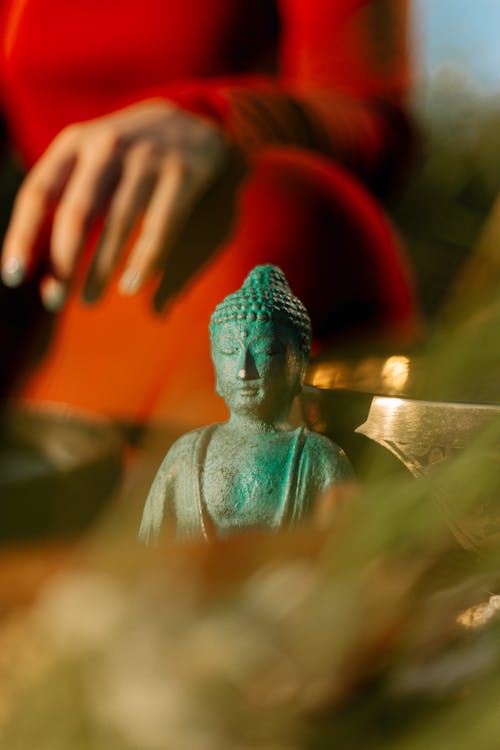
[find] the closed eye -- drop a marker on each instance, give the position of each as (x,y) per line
(268,350)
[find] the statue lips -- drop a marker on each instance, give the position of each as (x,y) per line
(247,389)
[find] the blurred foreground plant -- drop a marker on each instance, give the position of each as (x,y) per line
(347,638)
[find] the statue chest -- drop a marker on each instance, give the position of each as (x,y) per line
(245,484)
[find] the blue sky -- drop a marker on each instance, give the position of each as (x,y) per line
(465,31)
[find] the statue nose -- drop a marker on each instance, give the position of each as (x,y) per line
(247,369)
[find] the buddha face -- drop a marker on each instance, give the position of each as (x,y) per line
(259,368)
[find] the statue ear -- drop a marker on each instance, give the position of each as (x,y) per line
(303,369)
(300,378)
(212,357)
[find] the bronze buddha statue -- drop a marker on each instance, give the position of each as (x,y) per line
(255,470)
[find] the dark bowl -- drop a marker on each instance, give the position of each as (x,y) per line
(58,468)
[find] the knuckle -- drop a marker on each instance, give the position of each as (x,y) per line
(106,142)
(33,192)
(179,167)
(142,162)
(75,214)
(143,152)
(69,135)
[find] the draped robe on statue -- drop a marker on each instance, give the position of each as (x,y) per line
(310,465)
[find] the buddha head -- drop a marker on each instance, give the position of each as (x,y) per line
(260,341)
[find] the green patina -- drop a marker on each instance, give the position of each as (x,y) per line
(255,470)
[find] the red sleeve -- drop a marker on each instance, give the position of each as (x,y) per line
(343,75)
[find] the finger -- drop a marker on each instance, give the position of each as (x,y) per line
(32,208)
(53,293)
(172,199)
(85,195)
(130,198)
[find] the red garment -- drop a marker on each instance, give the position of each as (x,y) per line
(325,75)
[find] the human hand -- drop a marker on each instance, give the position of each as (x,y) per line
(148,163)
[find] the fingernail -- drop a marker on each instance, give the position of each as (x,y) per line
(130,282)
(13,272)
(53,294)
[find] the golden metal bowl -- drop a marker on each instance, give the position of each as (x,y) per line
(456,443)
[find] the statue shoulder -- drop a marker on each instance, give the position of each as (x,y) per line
(328,457)
(162,497)
(177,460)
(182,449)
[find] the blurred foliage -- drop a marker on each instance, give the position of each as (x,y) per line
(454,181)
